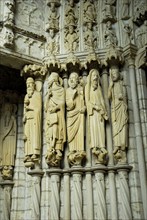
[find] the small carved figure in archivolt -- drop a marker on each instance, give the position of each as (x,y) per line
(119,115)
(97,115)
(71,38)
(32,123)
(7,139)
(110,35)
(55,121)
(75,106)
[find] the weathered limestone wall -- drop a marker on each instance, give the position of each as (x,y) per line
(114,33)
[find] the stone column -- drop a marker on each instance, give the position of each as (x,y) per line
(124,191)
(36,174)
(89,193)
(100,192)
(55,174)
(129,53)
(7,186)
(67,196)
(111,170)
(77,194)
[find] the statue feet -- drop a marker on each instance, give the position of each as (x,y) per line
(100,155)
(7,172)
(76,157)
(120,155)
(53,157)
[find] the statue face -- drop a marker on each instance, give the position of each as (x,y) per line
(30,88)
(73,80)
(94,79)
(115,74)
(52,33)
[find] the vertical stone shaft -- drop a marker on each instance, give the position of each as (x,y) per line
(124,195)
(100,195)
(36,197)
(7,201)
(55,198)
(111,174)
(77,195)
(138,133)
(89,192)
(66,196)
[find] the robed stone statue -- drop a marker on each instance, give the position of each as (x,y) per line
(96,115)
(32,123)
(119,115)
(55,119)
(7,139)
(75,106)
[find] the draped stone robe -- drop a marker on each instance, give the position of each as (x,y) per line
(94,99)
(55,121)
(75,118)
(119,115)
(32,125)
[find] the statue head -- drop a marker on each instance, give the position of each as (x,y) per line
(54,78)
(30,86)
(94,78)
(73,80)
(114,73)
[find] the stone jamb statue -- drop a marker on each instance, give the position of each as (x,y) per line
(55,120)
(32,123)
(97,115)
(8,139)
(75,106)
(119,115)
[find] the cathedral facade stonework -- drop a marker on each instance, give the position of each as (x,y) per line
(73,109)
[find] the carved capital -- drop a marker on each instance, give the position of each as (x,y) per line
(73,63)
(114,56)
(33,70)
(52,63)
(129,53)
(92,61)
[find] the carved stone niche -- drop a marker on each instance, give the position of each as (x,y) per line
(8,130)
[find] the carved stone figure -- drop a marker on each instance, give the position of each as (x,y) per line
(9,13)
(32,123)
(53,20)
(96,115)
(70,12)
(75,119)
(8,37)
(128,34)
(89,12)
(7,138)
(71,38)
(125,9)
(53,42)
(90,38)
(55,121)
(119,115)
(141,35)
(110,35)
(109,10)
